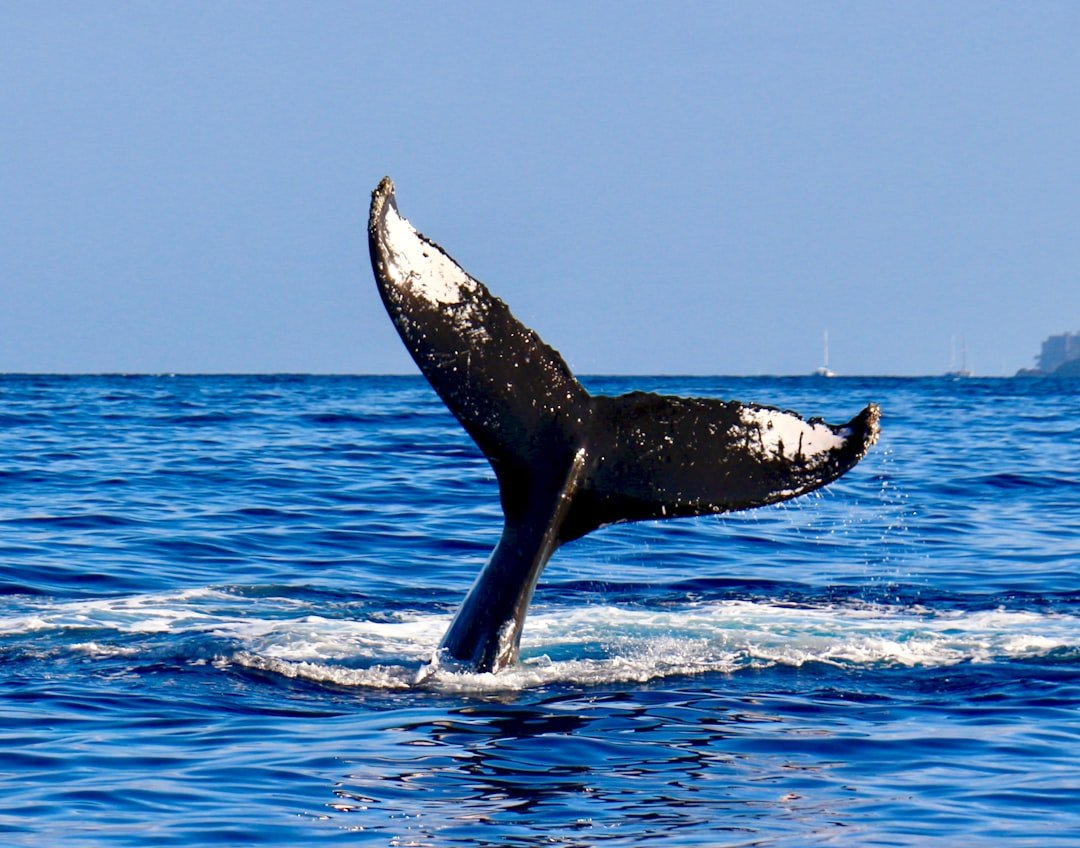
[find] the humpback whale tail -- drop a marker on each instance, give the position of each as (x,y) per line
(568,462)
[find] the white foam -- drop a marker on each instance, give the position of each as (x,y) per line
(100,651)
(581,645)
(375,677)
(167,612)
(317,639)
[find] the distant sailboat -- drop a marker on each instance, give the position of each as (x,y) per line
(824,371)
(963,370)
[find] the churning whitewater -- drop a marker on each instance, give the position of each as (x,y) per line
(635,645)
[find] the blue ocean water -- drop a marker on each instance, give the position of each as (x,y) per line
(216,592)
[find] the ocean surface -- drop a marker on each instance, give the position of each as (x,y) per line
(216,592)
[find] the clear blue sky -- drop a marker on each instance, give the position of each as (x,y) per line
(655,188)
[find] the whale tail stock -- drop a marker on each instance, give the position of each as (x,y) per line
(568,462)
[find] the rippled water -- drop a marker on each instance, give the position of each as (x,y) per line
(217,591)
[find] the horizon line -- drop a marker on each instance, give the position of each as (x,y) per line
(598,375)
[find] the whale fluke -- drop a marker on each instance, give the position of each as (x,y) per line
(568,462)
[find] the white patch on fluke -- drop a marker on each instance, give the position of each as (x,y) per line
(420,266)
(787,436)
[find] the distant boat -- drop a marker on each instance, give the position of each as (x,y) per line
(963,371)
(824,371)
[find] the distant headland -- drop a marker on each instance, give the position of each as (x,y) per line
(1060,357)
